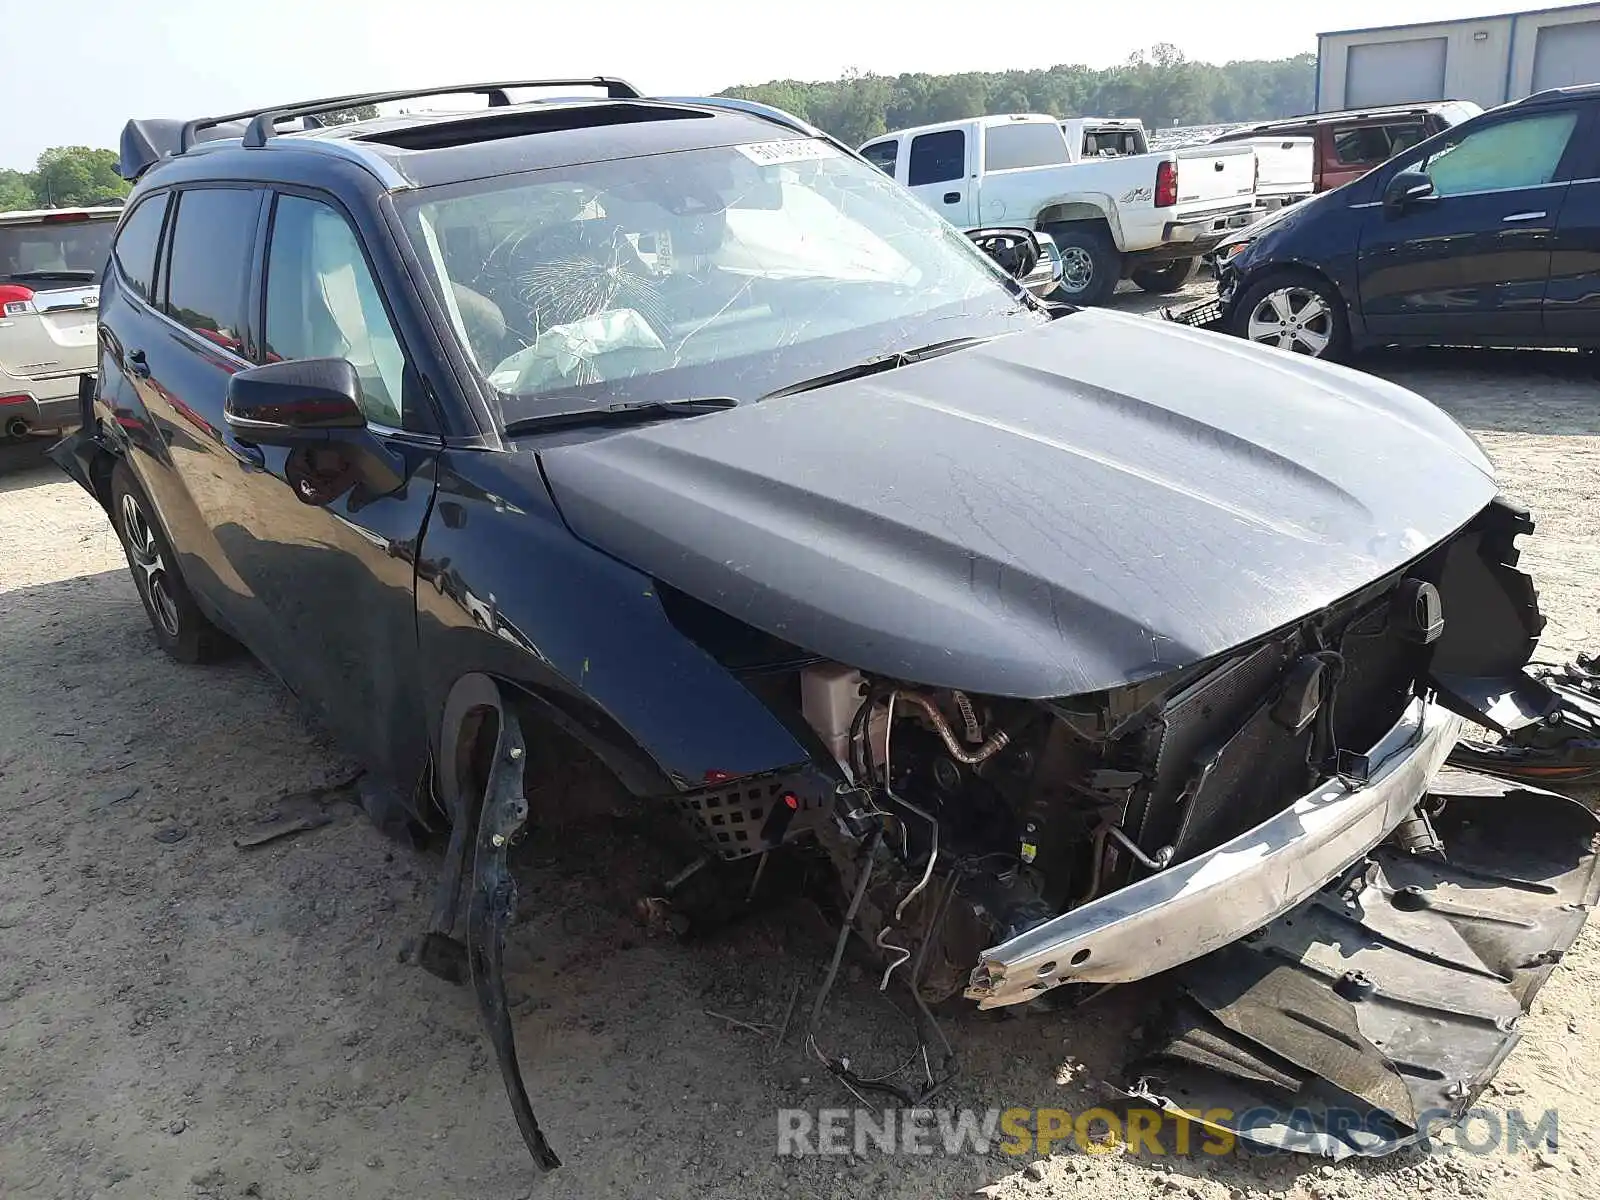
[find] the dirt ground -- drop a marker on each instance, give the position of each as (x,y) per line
(183,1018)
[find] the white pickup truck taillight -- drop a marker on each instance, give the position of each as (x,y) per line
(1166,183)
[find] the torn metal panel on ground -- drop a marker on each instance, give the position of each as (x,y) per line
(1380,1007)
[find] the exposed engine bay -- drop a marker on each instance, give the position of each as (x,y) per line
(1002,847)
(995,815)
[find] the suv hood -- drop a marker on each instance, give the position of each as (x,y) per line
(1073,508)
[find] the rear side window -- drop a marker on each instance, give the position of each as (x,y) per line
(208,271)
(937,157)
(1368,145)
(136,244)
(1034,144)
(882,155)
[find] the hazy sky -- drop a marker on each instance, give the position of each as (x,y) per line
(76,70)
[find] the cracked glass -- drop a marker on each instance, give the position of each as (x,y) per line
(729,271)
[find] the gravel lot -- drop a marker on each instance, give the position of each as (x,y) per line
(181,1018)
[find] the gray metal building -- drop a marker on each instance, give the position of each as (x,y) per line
(1486,59)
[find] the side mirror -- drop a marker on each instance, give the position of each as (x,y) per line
(1404,190)
(1028,257)
(290,403)
(313,407)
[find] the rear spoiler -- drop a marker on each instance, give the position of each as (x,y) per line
(145,143)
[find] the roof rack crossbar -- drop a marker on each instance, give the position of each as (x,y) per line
(263,121)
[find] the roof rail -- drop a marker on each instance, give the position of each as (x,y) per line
(263,121)
(1546,94)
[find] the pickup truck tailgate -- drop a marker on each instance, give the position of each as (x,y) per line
(1284,166)
(1211,178)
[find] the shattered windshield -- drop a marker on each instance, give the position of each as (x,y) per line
(728,271)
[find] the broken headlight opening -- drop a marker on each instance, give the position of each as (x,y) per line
(1267,829)
(1548,727)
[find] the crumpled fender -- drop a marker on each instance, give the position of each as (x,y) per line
(493,901)
(486,824)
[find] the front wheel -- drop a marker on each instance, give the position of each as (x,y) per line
(1294,312)
(1168,277)
(1091,266)
(180,626)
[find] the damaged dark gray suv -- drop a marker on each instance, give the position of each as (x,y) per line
(1070,648)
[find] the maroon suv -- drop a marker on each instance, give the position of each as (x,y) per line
(1351,143)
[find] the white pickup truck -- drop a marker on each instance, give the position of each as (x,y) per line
(1113,215)
(1285,170)
(1285,166)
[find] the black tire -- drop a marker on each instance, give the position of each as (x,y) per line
(1298,292)
(1168,277)
(179,625)
(1090,259)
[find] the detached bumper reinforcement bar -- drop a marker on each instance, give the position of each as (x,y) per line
(1189,910)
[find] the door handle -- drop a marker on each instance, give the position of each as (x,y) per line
(1527,216)
(250,456)
(137,366)
(952,197)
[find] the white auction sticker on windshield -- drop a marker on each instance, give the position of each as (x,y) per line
(768,154)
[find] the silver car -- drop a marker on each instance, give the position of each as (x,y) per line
(50,264)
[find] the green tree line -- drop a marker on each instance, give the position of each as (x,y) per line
(1160,86)
(63,177)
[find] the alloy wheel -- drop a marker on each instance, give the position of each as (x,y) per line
(1292,318)
(150,575)
(1077,269)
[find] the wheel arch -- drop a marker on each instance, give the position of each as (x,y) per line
(102,461)
(474,710)
(1306,269)
(1070,210)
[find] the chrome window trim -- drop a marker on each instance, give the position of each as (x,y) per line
(1531,187)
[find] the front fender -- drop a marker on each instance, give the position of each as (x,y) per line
(1320,235)
(505,591)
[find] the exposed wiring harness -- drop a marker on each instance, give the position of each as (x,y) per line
(927,1028)
(932,1081)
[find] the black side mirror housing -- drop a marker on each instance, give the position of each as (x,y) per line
(312,406)
(288,403)
(1404,190)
